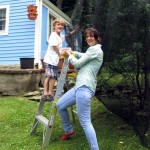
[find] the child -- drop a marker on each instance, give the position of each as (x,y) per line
(52,55)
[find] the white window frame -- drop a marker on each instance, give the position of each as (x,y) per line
(49,24)
(7,7)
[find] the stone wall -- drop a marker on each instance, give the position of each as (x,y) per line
(19,81)
(16,81)
(15,66)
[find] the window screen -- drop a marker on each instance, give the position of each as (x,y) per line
(2,19)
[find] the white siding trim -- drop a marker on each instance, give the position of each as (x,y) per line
(38,31)
(7,19)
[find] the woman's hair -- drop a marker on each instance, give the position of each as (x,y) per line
(58,20)
(93,32)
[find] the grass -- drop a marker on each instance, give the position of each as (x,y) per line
(17,114)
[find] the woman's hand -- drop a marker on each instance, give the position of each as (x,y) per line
(66,52)
(69,52)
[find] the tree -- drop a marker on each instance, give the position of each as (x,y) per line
(126,34)
(59,4)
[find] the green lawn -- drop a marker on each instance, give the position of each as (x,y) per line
(16,118)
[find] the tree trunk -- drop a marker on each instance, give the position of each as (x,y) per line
(77,12)
(59,4)
(147,65)
(99,14)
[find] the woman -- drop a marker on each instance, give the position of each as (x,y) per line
(81,94)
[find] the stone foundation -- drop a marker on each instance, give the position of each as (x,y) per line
(16,81)
(15,66)
(19,81)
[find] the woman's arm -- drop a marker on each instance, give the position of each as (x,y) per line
(78,54)
(90,54)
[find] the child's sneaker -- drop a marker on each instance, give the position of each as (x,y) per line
(47,98)
(50,98)
(44,97)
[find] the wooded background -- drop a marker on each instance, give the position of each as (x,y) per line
(124,26)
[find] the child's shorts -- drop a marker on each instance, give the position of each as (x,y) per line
(51,71)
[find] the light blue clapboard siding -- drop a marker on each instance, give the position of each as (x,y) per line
(9,52)
(44,44)
(20,39)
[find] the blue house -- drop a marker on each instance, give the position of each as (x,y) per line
(21,37)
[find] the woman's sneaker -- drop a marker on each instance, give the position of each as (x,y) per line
(66,136)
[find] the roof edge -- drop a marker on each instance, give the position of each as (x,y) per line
(58,11)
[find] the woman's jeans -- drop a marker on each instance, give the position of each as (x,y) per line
(82,98)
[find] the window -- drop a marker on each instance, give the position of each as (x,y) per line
(50,28)
(51,19)
(4,19)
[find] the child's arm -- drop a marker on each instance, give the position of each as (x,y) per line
(59,50)
(72,32)
(56,48)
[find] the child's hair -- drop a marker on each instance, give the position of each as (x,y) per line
(93,32)
(58,20)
